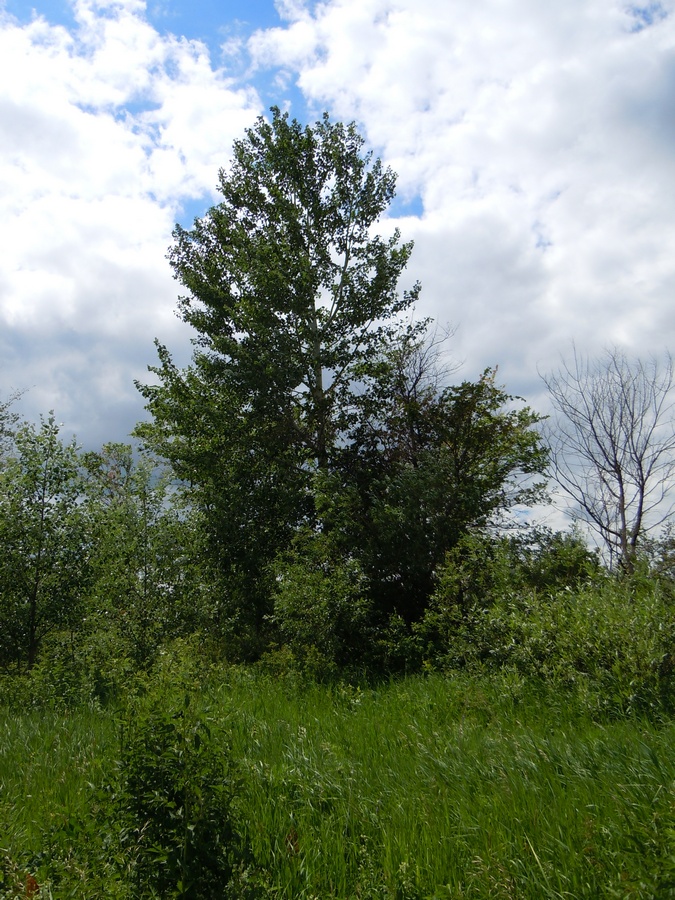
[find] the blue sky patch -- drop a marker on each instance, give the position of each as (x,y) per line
(644,16)
(59,12)
(212,22)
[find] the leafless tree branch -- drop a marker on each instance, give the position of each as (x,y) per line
(612,444)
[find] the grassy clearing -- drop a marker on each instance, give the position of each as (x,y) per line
(452,789)
(426,788)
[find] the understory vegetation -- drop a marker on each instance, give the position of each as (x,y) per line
(233,783)
(532,755)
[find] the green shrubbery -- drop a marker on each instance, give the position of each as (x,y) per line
(322,611)
(155,820)
(541,609)
(172,805)
(610,637)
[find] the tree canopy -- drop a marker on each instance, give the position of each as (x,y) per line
(289,290)
(310,402)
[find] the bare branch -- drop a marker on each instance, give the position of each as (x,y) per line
(612,444)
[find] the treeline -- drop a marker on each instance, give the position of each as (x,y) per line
(107,562)
(106,553)
(311,494)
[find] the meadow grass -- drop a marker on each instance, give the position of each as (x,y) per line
(425,788)
(48,759)
(441,788)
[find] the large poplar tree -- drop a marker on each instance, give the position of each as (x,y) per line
(309,422)
(294,299)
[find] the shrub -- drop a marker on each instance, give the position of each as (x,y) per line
(173,803)
(322,609)
(72,670)
(613,639)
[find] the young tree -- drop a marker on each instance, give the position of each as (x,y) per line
(140,557)
(292,297)
(613,445)
(8,423)
(446,462)
(43,537)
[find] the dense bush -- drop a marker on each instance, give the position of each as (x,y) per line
(611,636)
(322,611)
(173,803)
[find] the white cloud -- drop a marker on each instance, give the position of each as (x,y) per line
(540,138)
(104,132)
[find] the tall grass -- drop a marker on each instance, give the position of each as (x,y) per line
(48,759)
(441,788)
(426,788)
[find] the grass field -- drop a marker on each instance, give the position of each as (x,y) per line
(424,788)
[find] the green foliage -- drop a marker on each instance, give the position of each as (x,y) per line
(145,548)
(311,404)
(554,560)
(44,564)
(173,804)
(482,568)
(445,463)
(657,557)
(8,423)
(291,296)
(73,669)
(610,637)
(321,607)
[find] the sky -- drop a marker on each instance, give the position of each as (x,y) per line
(534,144)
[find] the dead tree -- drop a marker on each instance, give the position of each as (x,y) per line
(612,445)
